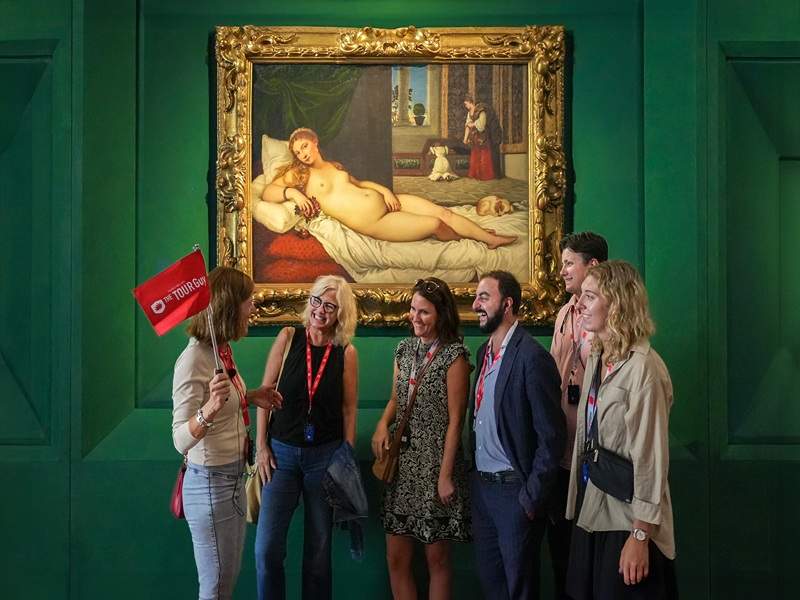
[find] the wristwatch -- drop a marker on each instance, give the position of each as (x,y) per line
(640,535)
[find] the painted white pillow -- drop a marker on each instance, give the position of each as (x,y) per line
(275,216)
(274,155)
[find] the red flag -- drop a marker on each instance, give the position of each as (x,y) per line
(178,292)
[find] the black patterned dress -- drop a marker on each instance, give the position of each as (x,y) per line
(410,504)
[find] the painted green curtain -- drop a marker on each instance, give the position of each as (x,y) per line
(315,96)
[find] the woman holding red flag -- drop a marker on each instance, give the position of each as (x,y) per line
(316,370)
(209,427)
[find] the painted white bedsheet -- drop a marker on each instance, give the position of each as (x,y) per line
(368,260)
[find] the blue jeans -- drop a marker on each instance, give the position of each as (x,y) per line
(299,471)
(506,542)
(214,505)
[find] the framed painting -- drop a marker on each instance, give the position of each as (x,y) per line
(389,155)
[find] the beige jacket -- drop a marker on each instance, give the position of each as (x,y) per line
(224,443)
(633,406)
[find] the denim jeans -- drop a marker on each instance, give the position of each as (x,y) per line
(214,504)
(299,471)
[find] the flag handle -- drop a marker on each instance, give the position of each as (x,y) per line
(212,333)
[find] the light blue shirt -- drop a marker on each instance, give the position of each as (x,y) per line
(489,454)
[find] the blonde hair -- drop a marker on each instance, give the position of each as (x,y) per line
(229,288)
(628,320)
(299,170)
(347,315)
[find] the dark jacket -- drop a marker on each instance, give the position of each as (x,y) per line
(344,491)
(530,422)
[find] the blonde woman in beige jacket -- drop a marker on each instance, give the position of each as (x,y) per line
(623,546)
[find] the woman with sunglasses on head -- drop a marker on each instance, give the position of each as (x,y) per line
(209,427)
(623,545)
(427,501)
(319,389)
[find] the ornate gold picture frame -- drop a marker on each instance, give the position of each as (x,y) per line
(438,152)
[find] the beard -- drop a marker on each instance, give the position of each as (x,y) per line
(492,323)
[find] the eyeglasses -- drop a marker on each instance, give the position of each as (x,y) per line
(428,286)
(327,307)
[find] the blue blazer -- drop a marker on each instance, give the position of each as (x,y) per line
(530,422)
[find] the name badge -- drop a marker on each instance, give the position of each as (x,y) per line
(308,432)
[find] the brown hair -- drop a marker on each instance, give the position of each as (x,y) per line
(586,243)
(229,288)
(437,292)
(628,319)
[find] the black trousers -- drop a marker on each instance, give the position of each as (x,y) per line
(559,532)
(594,570)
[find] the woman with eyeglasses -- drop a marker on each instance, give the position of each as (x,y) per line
(209,427)
(623,544)
(427,501)
(318,385)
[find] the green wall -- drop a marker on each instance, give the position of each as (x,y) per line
(106,167)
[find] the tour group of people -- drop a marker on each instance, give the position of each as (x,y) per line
(570,445)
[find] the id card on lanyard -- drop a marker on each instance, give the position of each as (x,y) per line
(308,428)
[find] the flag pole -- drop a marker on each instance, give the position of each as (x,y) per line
(211,332)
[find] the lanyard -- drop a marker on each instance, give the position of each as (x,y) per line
(576,342)
(412,378)
(226,354)
(312,387)
(591,400)
(487,365)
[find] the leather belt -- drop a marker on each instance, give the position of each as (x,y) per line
(500,477)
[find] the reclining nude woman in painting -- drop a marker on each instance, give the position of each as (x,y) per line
(364,206)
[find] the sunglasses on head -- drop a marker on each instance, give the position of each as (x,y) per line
(428,286)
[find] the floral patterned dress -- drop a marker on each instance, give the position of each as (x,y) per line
(410,505)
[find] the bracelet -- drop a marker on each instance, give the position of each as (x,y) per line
(285,197)
(202,420)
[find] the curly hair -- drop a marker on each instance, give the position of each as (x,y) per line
(437,292)
(347,315)
(229,288)
(628,319)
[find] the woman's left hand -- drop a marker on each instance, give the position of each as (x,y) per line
(446,490)
(634,561)
(392,202)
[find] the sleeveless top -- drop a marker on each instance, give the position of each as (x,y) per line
(289,422)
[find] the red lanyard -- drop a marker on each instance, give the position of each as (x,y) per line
(484,369)
(412,378)
(312,388)
(226,354)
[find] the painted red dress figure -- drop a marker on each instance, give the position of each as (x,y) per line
(477,135)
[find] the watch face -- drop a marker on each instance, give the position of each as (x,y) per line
(640,534)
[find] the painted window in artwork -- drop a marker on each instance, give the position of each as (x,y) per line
(410,98)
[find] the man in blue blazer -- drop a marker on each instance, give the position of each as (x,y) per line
(518,440)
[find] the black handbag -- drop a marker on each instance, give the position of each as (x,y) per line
(609,472)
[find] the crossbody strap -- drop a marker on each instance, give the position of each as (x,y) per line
(398,434)
(280,373)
